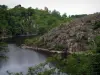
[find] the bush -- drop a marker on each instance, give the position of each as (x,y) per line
(42,30)
(59,47)
(96,25)
(97,43)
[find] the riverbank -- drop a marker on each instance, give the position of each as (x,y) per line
(42,49)
(11,36)
(3,37)
(53,51)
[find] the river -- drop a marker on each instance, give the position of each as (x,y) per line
(20,59)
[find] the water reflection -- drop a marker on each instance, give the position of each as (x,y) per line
(20,59)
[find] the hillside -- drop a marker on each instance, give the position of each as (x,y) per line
(75,35)
(25,21)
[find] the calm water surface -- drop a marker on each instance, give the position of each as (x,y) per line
(20,59)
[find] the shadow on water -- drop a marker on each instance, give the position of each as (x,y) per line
(18,40)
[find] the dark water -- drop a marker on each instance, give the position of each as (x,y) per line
(20,59)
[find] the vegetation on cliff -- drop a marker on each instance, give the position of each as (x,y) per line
(82,38)
(75,35)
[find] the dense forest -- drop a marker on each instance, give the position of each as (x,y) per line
(26,21)
(20,20)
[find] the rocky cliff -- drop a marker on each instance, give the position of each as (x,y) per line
(74,35)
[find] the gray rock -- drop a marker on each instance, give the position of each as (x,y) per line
(74,35)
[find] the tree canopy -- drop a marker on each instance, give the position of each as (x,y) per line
(22,21)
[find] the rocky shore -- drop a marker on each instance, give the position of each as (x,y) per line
(41,49)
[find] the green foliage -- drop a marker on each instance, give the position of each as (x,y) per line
(79,65)
(20,20)
(78,16)
(34,41)
(76,64)
(87,63)
(84,63)
(97,40)
(24,21)
(97,43)
(96,25)
(96,64)
(40,69)
(42,30)
(59,47)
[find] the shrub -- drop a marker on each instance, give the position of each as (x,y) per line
(96,25)
(59,47)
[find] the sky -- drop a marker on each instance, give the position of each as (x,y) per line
(70,7)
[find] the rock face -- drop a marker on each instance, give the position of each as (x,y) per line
(74,35)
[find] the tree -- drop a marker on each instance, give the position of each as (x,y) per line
(22,21)
(64,15)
